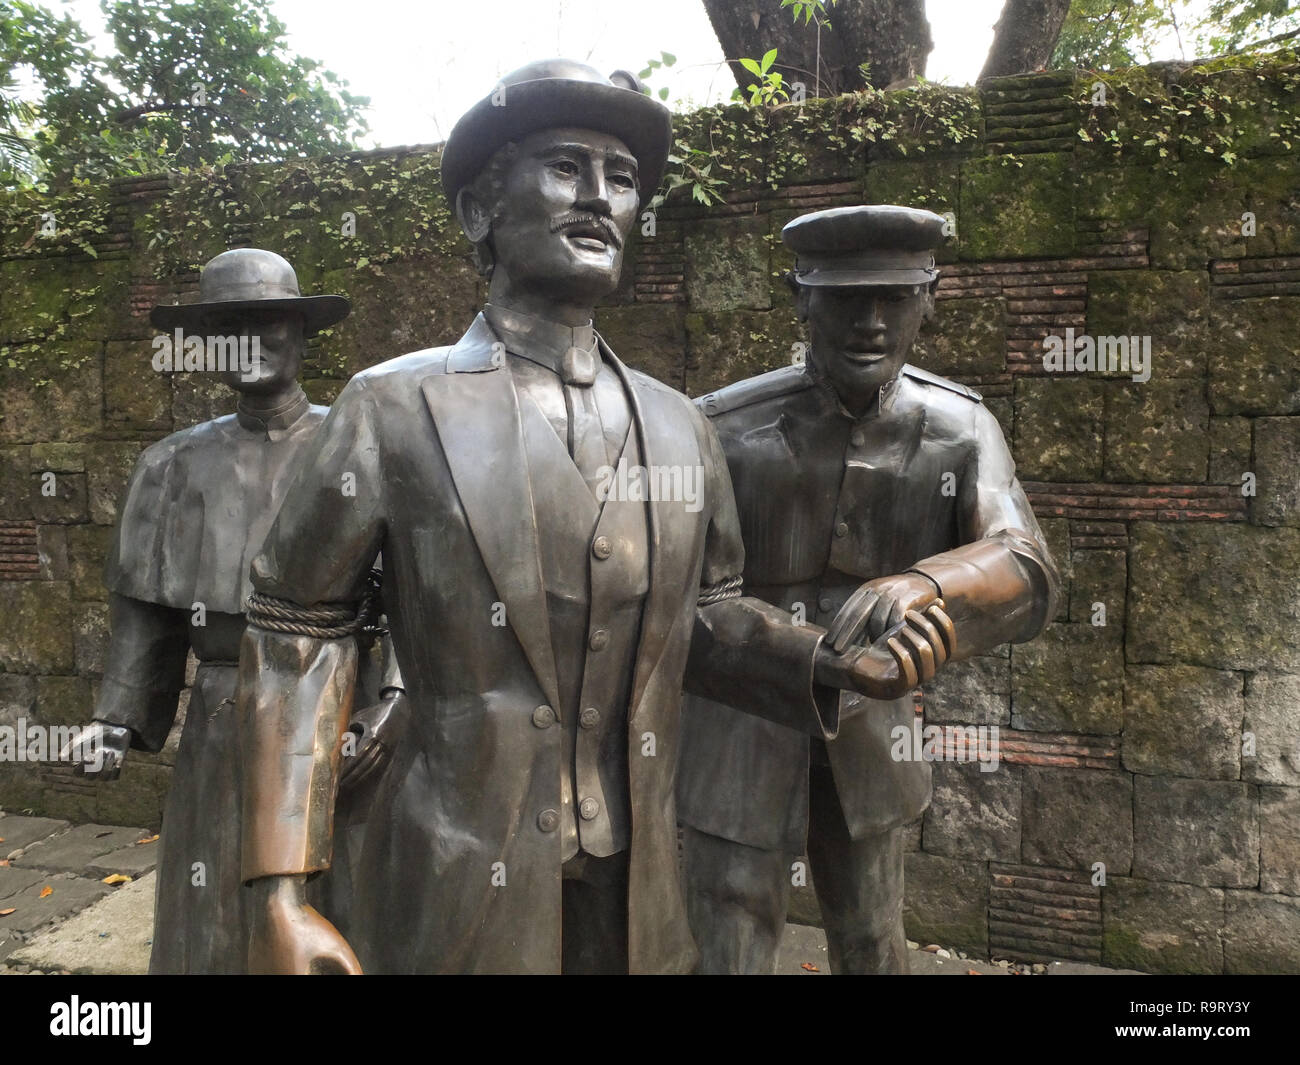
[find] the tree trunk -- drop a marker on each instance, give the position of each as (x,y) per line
(893,36)
(1024,37)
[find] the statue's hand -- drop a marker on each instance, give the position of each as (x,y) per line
(371,742)
(98,750)
(879,606)
(289,938)
(896,664)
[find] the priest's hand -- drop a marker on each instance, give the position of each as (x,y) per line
(289,938)
(98,750)
(368,743)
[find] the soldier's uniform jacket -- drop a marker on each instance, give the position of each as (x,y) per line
(827,502)
(514,608)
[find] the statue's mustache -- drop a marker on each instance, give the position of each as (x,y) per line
(580,220)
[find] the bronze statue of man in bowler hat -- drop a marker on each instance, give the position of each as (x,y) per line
(866,489)
(542,622)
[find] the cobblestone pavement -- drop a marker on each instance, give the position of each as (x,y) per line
(51,871)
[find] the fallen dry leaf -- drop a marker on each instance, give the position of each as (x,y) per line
(6,913)
(933,948)
(809,967)
(147,839)
(46,891)
(973,972)
(116,878)
(4,861)
(2,839)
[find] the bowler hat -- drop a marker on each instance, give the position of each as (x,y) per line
(874,244)
(552,93)
(251,278)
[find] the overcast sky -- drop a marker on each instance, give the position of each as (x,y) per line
(424,62)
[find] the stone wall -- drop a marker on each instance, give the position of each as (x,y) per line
(1164,743)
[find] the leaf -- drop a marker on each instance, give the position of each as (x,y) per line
(809,967)
(663,93)
(147,839)
(6,913)
(116,878)
(46,891)
(669,58)
(769,58)
(748,64)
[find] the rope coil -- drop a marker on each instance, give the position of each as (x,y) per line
(723,590)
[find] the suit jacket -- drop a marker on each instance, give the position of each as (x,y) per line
(423,457)
(827,502)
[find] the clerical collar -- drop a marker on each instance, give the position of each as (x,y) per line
(568,351)
(276,419)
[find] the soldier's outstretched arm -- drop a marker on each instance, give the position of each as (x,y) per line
(298,668)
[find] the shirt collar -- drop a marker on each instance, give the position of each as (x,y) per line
(546,342)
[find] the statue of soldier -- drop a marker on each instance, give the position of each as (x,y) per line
(866,489)
(198,505)
(542,621)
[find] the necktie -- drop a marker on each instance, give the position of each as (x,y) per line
(586,431)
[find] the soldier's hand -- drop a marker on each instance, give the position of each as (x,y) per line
(289,938)
(371,742)
(879,606)
(896,664)
(98,750)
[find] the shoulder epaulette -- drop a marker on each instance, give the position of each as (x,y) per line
(926,377)
(752,390)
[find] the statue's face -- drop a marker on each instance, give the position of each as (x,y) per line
(279,348)
(861,336)
(569,202)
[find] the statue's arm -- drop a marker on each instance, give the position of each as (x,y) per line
(298,665)
(1001,585)
(144,669)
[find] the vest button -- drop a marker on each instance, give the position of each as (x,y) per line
(589,808)
(842,529)
(548,820)
(599,640)
(857,440)
(543,717)
(601,547)
(824,605)
(589,717)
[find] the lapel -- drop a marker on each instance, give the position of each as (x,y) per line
(476,411)
(663,599)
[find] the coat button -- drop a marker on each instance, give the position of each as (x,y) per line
(857,440)
(601,547)
(548,820)
(543,717)
(589,717)
(589,808)
(842,529)
(599,640)
(823,605)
